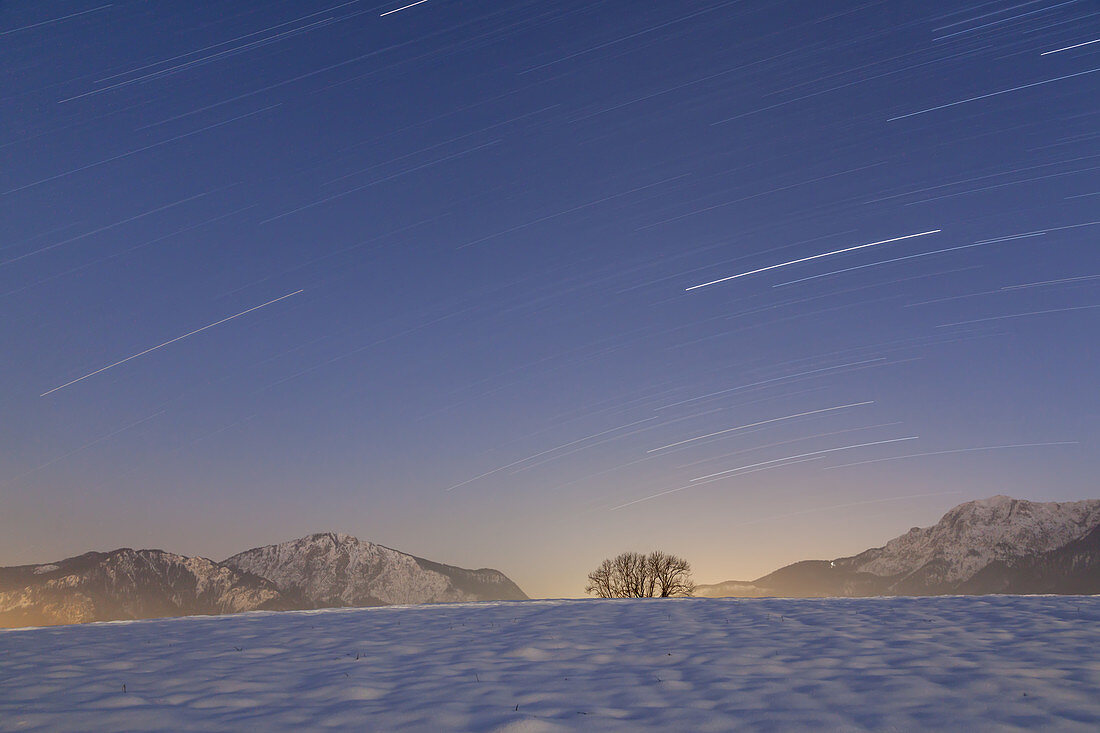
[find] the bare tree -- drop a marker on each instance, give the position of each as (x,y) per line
(672,574)
(633,575)
(599,581)
(629,574)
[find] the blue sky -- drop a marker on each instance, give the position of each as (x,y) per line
(431,272)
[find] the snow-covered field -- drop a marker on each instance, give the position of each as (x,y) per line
(978,663)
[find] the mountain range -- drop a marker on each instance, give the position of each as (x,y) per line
(995,545)
(319,571)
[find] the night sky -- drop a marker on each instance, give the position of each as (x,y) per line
(428,275)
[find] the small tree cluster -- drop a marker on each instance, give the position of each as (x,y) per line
(633,575)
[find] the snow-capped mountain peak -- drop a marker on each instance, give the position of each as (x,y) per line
(128,583)
(331,569)
(994,545)
(326,569)
(972,535)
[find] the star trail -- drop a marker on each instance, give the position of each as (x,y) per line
(568,277)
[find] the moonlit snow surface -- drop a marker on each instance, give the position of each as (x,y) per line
(974,663)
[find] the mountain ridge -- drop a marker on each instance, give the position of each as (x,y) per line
(101,586)
(127,584)
(985,546)
(335,569)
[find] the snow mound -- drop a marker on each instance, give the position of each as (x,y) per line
(942,663)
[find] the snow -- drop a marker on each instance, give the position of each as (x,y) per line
(338,566)
(341,570)
(976,533)
(1004,662)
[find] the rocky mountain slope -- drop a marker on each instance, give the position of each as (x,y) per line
(330,570)
(1073,568)
(996,545)
(319,571)
(129,584)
